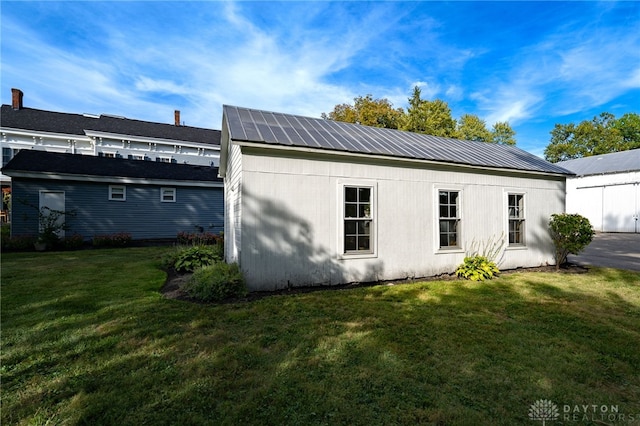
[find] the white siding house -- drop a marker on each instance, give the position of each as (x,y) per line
(606,190)
(318,202)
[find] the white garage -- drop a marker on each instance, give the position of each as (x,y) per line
(606,190)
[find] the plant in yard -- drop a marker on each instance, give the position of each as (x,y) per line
(119,239)
(477,268)
(191,258)
(571,233)
(216,282)
(52,223)
(481,262)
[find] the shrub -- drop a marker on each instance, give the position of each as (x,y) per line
(191,258)
(570,233)
(198,238)
(216,282)
(19,243)
(119,239)
(477,268)
(73,242)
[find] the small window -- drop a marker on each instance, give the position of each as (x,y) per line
(109,154)
(516,220)
(168,195)
(163,159)
(449,219)
(7,155)
(358,220)
(117,193)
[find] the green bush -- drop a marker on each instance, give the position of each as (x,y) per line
(477,268)
(74,242)
(19,243)
(189,259)
(571,233)
(216,282)
(119,239)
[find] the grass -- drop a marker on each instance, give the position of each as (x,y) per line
(88,339)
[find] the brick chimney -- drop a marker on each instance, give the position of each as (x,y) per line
(177,116)
(16,98)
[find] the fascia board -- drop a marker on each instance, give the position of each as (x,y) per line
(145,139)
(111,179)
(384,158)
(40,134)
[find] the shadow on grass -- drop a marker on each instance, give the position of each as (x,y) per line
(437,352)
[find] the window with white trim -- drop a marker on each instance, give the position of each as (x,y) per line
(168,195)
(516,219)
(117,193)
(358,230)
(449,219)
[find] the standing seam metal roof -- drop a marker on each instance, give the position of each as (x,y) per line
(274,128)
(616,162)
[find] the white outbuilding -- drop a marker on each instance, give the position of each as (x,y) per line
(606,190)
(318,202)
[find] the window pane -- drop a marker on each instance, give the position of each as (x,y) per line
(351,210)
(444,197)
(351,194)
(349,243)
(443,240)
(363,243)
(453,197)
(364,195)
(364,210)
(349,227)
(363,227)
(452,211)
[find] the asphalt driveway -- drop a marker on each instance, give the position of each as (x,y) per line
(611,250)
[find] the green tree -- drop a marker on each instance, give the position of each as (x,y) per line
(571,233)
(367,111)
(503,134)
(430,117)
(602,135)
(629,127)
(473,128)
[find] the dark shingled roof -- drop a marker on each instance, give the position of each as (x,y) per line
(76,124)
(616,162)
(273,128)
(88,165)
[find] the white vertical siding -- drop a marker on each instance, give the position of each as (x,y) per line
(290,216)
(610,202)
(233,204)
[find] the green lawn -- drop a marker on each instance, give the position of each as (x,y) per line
(88,339)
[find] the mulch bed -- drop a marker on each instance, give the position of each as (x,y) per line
(172,288)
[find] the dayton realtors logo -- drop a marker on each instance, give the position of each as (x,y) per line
(545,410)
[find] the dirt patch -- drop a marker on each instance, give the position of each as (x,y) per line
(173,286)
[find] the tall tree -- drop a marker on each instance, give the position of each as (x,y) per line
(602,135)
(473,128)
(503,134)
(430,117)
(367,111)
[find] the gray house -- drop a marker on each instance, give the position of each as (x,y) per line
(148,199)
(318,202)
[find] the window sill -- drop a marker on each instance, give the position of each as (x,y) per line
(355,255)
(517,247)
(449,250)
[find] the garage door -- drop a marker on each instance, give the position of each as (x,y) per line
(620,208)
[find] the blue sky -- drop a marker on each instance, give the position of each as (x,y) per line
(532,64)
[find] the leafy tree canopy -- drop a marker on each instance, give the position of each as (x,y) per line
(367,111)
(602,135)
(422,116)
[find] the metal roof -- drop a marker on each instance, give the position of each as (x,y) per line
(274,128)
(616,162)
(78,124)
